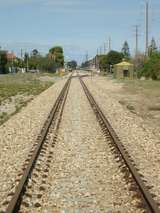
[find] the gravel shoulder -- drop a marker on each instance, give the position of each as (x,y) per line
(19,133)
(141,139)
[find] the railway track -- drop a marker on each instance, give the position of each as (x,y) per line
(36,168)
(40,148)
(121,153)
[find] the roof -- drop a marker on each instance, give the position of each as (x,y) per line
(11,56)
(124,63)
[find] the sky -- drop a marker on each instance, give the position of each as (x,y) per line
(80,26)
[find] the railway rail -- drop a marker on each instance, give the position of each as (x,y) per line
(52,119)
(121,154)
(149,204)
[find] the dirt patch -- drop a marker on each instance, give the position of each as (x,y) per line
(18,89)
(12,105)
(142,100)
(139,97)
(48,78)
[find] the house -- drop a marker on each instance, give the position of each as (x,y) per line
(123,70)
(11,56)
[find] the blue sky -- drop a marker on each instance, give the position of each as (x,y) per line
(77,25)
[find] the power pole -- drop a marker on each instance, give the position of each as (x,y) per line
(87,56)
(147,26)
(86,59)
(100,50)
(21,54)
(137,36)
(97,51)
(104,48)
(97,61)
(109,44)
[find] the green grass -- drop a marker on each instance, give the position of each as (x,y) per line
(28,83)
(16,84)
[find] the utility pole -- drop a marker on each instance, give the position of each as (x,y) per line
(147,26)
(97,51)
(104,48)
(87,56)
(137,43)
(86,59)
(97,62)
(21,54)
(109,44)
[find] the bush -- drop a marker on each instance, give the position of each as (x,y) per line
(112,58)
(151,68)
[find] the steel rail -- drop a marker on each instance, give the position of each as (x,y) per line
(14,204)
(151,205)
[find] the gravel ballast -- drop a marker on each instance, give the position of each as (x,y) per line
(84,176)
(19,133)
(140,140)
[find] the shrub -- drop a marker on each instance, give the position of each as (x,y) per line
(151,68)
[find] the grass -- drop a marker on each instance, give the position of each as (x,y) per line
(148,87)
(26,84)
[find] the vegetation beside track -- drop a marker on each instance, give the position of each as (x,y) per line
(142,98)
(147,87)
(16,90)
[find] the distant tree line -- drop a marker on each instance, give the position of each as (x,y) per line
(72,64)
(147,65)
(3,62)
(107,61)
(49,63)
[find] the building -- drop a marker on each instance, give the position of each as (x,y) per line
(123,70)
(11,56)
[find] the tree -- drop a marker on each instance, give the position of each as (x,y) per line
(72,64)
(103,62)
(112,58)
(26,61)
(151,68)
(85,64)
(138,61)
(152,48)
(46,64)
(34,62)
(125,50)
(34,59)
(35,52)
(3,62)
(19,63)
(56,53)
